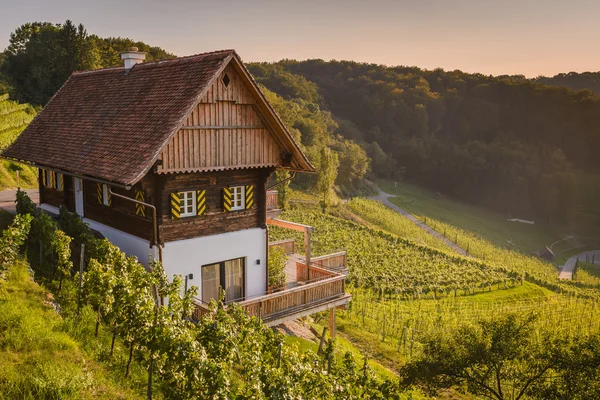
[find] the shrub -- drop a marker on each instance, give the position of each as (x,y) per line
(12,239)
(24,204)
(277,262)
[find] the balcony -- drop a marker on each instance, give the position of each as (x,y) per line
(312,287)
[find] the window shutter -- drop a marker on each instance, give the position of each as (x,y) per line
(201,202)
(99,193)
(227,199)
(53,179)
(249,196)
(175,205)
(140,209)
(61,180)
(44,172)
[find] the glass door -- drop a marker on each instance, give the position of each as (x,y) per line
(211,282)
(234,279)
(227,276)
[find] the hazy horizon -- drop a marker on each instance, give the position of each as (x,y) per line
(509,37)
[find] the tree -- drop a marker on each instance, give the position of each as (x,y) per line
(328,169)
(353,163)
(498,358)
(41,56)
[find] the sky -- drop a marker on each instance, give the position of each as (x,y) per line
(529,37)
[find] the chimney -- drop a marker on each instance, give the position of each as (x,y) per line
(131,57)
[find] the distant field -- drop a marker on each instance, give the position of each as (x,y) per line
(490,225)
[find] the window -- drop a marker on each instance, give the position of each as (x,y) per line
(59,181)
(227,276)
(226,80)
(48,178)
(238,198)
(188,204)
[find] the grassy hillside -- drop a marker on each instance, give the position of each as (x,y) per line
(39,355)
(490,225)
(14,117)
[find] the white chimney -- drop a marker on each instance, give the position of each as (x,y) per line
(132,56)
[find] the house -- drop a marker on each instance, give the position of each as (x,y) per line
(170,160)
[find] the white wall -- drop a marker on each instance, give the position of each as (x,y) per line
(185,257)
(129,244)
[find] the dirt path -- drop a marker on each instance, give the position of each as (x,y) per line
(566,271)
(383,198)
(7,199)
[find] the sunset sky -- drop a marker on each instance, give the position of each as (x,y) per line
(530,37)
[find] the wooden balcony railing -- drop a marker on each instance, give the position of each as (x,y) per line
(272,203)
(325,290)
(334,263)
(288,245)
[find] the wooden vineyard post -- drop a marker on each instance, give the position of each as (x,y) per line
(80,278)
(332,322)
(322,340)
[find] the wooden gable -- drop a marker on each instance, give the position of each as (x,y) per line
(225,130)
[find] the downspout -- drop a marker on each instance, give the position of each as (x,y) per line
(267,257)
(154,223)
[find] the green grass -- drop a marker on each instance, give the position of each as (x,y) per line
(39,357)
(490,225)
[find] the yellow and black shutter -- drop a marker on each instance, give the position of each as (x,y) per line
(44,173)
(227,201)
(175,205)
(100,195)
(140,209)
(53,179)
(61,181)
(200,202)
(249,196)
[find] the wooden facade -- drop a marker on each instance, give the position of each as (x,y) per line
(215,220)
(225,130)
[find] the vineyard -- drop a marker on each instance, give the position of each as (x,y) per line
(403,292)
(393,222)
(14,117)
(587,273)
(398,267)
(405,324)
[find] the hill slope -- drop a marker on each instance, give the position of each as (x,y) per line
(14,117)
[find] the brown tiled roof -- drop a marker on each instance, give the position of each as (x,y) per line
(111,124)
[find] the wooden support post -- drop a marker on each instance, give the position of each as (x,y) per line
(332,322)
(307,250)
